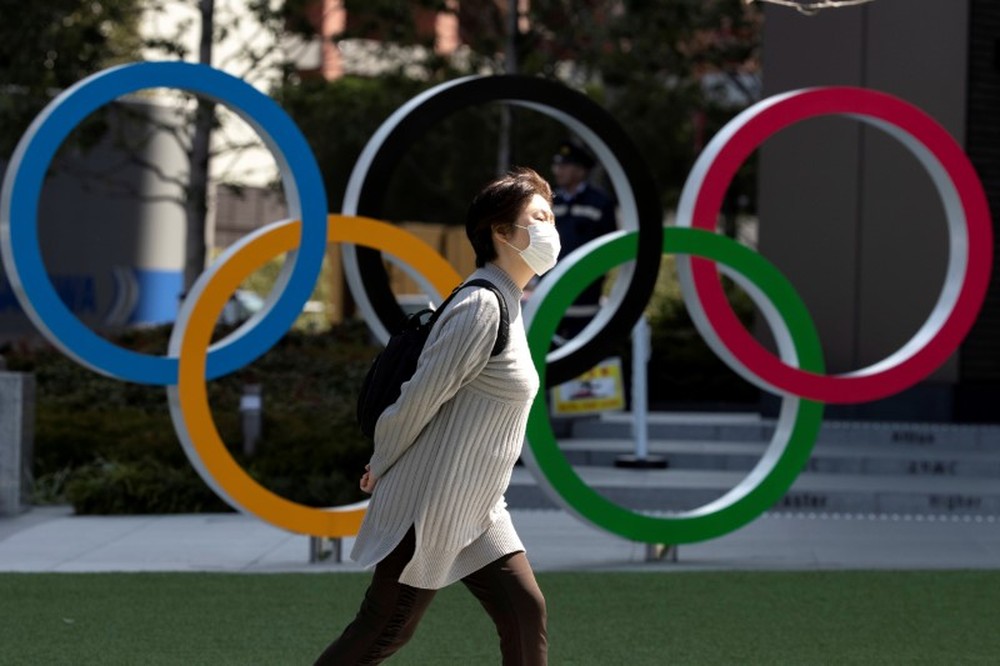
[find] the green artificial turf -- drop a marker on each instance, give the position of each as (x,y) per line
(594,618)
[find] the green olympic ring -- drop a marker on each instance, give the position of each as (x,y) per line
(798,422)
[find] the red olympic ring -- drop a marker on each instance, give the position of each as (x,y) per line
(970,254)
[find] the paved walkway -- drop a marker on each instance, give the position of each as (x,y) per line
(51,539)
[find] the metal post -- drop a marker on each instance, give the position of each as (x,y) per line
(640,387)
(641,459)
(250,411)
(660,552)
(17,422)
(315,549)
(318,553)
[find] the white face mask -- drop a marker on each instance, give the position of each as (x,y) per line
(543,247)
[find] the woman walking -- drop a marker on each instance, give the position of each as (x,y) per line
(444,451)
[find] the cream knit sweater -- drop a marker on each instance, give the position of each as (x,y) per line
(445,449)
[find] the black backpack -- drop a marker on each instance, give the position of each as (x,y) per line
(398,361)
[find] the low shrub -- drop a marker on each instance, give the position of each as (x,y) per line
(108,446)
(139,487)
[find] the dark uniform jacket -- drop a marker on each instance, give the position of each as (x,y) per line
(582,217)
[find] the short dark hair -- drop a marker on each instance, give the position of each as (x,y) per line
(498,205)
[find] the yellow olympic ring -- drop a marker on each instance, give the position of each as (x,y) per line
(189,398)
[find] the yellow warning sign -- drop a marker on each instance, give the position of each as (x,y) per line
(600,389)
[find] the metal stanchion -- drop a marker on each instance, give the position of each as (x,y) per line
(315,549)
(251,408)
(17,439)
(661,552)
(641,459)
(319,553)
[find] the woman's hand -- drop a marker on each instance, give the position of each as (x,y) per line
(368,480)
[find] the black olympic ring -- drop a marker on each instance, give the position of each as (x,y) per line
(630,177)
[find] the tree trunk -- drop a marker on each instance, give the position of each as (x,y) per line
(197,196)
(506,140)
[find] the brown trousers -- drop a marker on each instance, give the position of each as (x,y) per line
(391,611)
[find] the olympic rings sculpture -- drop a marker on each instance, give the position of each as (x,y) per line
(796,373)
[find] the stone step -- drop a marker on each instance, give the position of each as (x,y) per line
(829,458)
(682,490)
(746,426)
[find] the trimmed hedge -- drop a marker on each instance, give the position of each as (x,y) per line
(109,446)
(139,487)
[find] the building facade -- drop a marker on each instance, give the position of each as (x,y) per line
(851,217)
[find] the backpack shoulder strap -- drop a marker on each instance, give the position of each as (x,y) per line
(503,330)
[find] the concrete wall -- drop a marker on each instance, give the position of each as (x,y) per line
(845,211)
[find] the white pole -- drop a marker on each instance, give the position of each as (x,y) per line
(640,359)
(640,431)
(640,407)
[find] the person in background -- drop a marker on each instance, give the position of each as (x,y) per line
(583,212)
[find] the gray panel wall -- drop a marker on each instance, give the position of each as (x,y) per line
(981,351)
(845,211)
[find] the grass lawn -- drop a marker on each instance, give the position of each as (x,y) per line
(594,618)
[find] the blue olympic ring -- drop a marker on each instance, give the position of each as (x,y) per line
(304,191)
